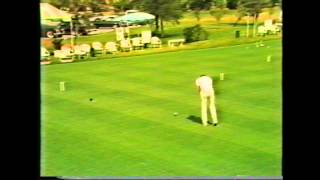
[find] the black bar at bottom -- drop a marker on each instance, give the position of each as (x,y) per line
(49,178)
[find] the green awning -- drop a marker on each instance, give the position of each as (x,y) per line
(136,17)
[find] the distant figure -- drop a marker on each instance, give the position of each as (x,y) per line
(204,84)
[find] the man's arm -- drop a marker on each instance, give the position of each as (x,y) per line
(198,86)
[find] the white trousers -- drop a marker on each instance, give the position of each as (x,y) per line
(208,102)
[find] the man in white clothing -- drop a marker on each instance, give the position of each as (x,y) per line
(204,84)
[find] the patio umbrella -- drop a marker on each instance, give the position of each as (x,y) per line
(136,17)
(51,13)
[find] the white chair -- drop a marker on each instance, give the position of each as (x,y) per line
(125,45)
(268,22)
(63,54)
(155,42)
(44,53)
(111,47)
(119,33)
(86,48)
(262,30)
(146,37)
(97,47)
(274,29)
(270,27)
(136,43)
(78,52)
(65,47)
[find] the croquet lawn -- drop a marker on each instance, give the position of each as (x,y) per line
(128,129)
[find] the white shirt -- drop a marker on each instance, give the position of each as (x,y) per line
(205,84)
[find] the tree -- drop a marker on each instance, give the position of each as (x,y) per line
(218,13)
(232,4)
(275,2)
(253,8)
(123,5)
(164,10)
(198,5)
(219,9)
(97,5)
(240,13)
(220,4)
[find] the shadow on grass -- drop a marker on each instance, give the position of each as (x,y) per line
(197,119)
(194,119)
(170,35)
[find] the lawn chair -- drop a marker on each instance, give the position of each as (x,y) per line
(97,47)
(66,47)
(125,45)
(78,52)
(262,30)
(270,27)
(279,26)
(274,29)
(146,37)
(119,33)
(155,42)
(111,47)
(63,54)
(44,53)
(86,48)
(136,43)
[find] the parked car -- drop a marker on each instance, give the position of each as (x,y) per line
(100,24)
(131,11)
(110,22)
(48,30)
(101,17)
(63,28)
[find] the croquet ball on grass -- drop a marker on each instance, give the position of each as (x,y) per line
(175,113)
(91,99)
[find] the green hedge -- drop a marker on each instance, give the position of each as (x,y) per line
(195,33)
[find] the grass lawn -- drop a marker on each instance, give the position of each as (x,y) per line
(217,32)
(220,35)
(129,128)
